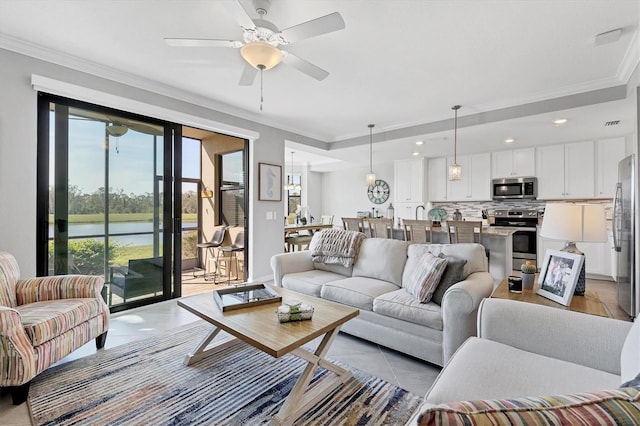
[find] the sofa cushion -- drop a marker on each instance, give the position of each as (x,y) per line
(43,321)
(425,277)
(452,274)
(338,269)
(358,292)
(402,305)
(511,373)
(309,282)
(472,252)
(607,407)
(381,258)
(629,359)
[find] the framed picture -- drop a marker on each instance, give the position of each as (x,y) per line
(559,275)
(269,182)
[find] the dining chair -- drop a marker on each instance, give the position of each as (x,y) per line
(326,219)
(353,224)
(463,231)
(418,231)
(380,227)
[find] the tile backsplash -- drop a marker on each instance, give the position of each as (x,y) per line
(473,210)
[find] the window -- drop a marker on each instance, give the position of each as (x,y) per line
(294,196)
(232,188)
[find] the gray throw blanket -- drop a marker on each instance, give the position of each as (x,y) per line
(336,246)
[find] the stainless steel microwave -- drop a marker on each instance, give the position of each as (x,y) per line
(514,188)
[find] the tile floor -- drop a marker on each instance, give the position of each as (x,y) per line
(404,371)
(139,323)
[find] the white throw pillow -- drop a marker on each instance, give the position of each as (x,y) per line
(426,276)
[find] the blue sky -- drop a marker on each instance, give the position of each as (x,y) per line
(130,158)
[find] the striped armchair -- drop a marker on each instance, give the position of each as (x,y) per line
(44,319)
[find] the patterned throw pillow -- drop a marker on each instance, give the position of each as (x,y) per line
(608,407)
(452,275)
(426,276)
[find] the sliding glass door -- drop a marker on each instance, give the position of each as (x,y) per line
(109,179)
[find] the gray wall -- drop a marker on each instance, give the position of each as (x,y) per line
(18,126)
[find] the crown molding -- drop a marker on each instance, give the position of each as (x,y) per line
(625,70)
(57,57)
(631,59)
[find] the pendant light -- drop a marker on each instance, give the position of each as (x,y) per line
(290,186)
(455,171)
(371,177)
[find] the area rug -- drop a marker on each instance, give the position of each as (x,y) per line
(146,383)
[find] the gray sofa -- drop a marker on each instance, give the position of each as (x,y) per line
(389,315)
(526,351)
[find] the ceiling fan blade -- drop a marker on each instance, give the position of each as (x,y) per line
(145,128)
(315,27)
(304,66)
(239,14)
(248,75)
(202,42)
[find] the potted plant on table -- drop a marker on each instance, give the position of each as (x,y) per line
(528,274)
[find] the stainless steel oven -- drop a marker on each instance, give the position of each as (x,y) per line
(524,239)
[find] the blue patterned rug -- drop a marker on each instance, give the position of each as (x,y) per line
(146,383)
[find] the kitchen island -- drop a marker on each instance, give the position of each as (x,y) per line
(497,241)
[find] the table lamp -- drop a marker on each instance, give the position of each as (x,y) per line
(574,223)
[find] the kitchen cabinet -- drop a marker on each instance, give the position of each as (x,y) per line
(513,163)
(437,179)
(475,184)
(609,153)
(600,258)
(409,181)
(566,170)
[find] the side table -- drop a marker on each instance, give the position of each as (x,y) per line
(589,303)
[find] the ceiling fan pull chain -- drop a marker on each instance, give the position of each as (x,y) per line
(261,96)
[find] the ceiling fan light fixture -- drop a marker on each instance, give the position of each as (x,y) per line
(261,55)
(455,170)
(371,177)
(117,130)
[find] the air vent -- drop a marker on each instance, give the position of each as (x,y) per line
(612,123)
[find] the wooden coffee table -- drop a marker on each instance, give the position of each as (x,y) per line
(589,303)
(259,327)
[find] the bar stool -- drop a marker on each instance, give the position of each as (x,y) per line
(229,256)
(418,231)
(215,242)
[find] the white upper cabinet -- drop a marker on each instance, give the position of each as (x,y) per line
(475,184)
(566,171)
(409,181)
(610,152)
(513,163)
(437,179)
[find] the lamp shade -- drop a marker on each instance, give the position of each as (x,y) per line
(260,54)
(574,222)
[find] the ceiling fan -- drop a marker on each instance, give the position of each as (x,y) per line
(262,40)
(117,127)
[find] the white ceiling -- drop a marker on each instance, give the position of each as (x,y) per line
(399,64)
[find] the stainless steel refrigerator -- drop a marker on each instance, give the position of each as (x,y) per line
(624,235)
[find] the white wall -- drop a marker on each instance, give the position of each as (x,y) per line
(314,194)
(344,192)
(18,124)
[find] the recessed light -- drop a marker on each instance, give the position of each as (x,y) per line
(415,153)
(559,122)
(509,140)
(419,142)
